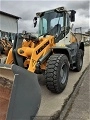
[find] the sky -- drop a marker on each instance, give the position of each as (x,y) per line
(27,9)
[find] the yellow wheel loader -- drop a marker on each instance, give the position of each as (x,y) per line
(53,53)
(5,46)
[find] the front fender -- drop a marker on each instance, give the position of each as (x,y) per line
(63,50)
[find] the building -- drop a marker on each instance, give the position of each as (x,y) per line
(8,25)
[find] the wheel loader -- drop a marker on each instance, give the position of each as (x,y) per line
(5,46)
(52,53)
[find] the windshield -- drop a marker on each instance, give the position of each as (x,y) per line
(49,20)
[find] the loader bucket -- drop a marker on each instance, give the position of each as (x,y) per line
(20,93)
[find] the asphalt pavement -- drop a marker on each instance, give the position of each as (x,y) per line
(80,109)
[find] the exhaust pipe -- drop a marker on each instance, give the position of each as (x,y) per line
(20,93)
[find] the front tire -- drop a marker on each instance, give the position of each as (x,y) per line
(56,73)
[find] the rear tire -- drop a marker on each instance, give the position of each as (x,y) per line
(56,73)
(79,60)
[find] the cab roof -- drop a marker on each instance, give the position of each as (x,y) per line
(59,9)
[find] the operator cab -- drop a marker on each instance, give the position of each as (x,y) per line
(55,22)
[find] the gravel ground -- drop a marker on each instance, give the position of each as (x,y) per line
(5,92)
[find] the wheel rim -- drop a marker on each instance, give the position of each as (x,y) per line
(63,73)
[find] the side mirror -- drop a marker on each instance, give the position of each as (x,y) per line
(72,16)
(35,21)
